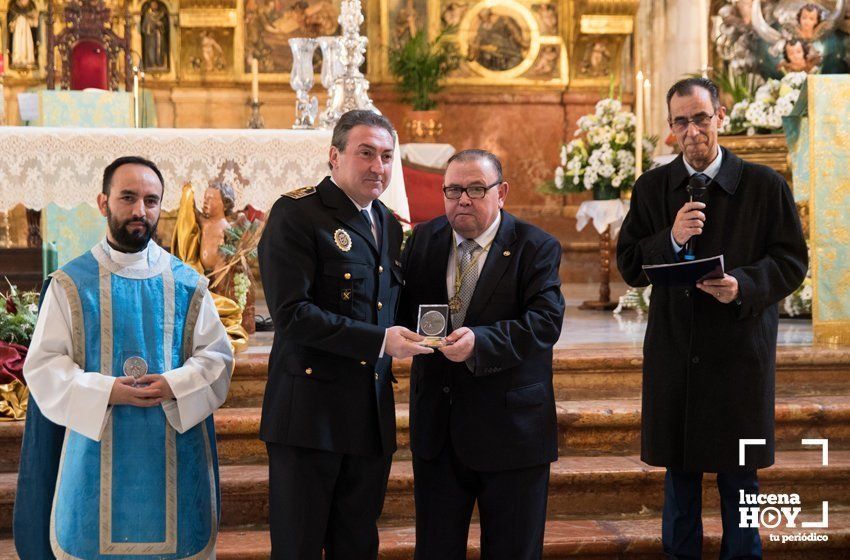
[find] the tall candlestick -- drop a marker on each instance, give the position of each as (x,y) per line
(638,124)
(255,80)
(703,37)
(136,121)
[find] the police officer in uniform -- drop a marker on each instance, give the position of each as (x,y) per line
(329,259)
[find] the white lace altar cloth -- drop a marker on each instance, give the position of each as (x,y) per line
(40,165)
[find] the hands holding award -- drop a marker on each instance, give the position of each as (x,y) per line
(433,327)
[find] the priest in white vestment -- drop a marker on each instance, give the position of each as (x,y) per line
(128,361)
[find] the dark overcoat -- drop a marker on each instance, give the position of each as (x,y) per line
(709,367)
(331,293)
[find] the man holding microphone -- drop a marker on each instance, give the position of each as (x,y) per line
(710,349)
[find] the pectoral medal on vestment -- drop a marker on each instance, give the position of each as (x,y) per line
(433,324)
(342,240)
(135,367)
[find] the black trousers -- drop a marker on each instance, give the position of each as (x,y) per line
(681,525)
(511,507)
(320,500)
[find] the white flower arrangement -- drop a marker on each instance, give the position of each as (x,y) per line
(602,155)
(800,302)
(773,100)
(635,298)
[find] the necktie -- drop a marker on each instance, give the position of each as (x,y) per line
(469,272)
(376,231)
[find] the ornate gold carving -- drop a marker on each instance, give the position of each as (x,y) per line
(423,126)
(599,24)
(199,17)
(766,149)
(505,42)
(598,34)
(837,332)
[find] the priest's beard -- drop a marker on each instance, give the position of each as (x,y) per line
(127,240)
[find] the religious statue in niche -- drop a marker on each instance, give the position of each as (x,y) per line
(772,38)
(499,42)
(453,13)
(546,64)
(269,24)
(405,22)
(596,61)
(155,37)
(22,23)
(547,16)
(210,57)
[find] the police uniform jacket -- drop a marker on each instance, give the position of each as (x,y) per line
(331,293)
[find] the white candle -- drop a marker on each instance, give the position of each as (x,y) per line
(255,81)
(136,121)
(647,104)
(703,37)
(638,124)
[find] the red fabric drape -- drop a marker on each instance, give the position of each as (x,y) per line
(88,66)
(424,194)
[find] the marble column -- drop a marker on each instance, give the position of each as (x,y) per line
(668,49)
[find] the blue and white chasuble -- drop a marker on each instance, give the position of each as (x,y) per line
(143,491)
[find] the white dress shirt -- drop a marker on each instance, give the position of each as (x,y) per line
(368,209)
(71,397)
(711,172)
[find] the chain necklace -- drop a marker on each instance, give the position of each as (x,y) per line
(460,273)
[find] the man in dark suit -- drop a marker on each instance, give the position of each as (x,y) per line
(482,410)
(329,258)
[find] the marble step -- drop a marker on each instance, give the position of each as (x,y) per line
(576,539)
(580,539)
(579,487)
(585,427)
(597,372)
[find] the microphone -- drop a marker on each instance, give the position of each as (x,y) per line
(697,188)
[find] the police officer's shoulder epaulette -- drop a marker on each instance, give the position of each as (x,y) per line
(301,193)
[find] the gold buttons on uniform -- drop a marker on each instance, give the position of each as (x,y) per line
(308,371)
(376,376)
(380,305)
(507,253)
(380,269)
(347,276)
(363,363)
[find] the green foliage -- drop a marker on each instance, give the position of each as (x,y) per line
(233,239)
(18,313)
(420,65)
(740,87)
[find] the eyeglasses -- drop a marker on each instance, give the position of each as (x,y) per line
(680,124)
(453,193)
